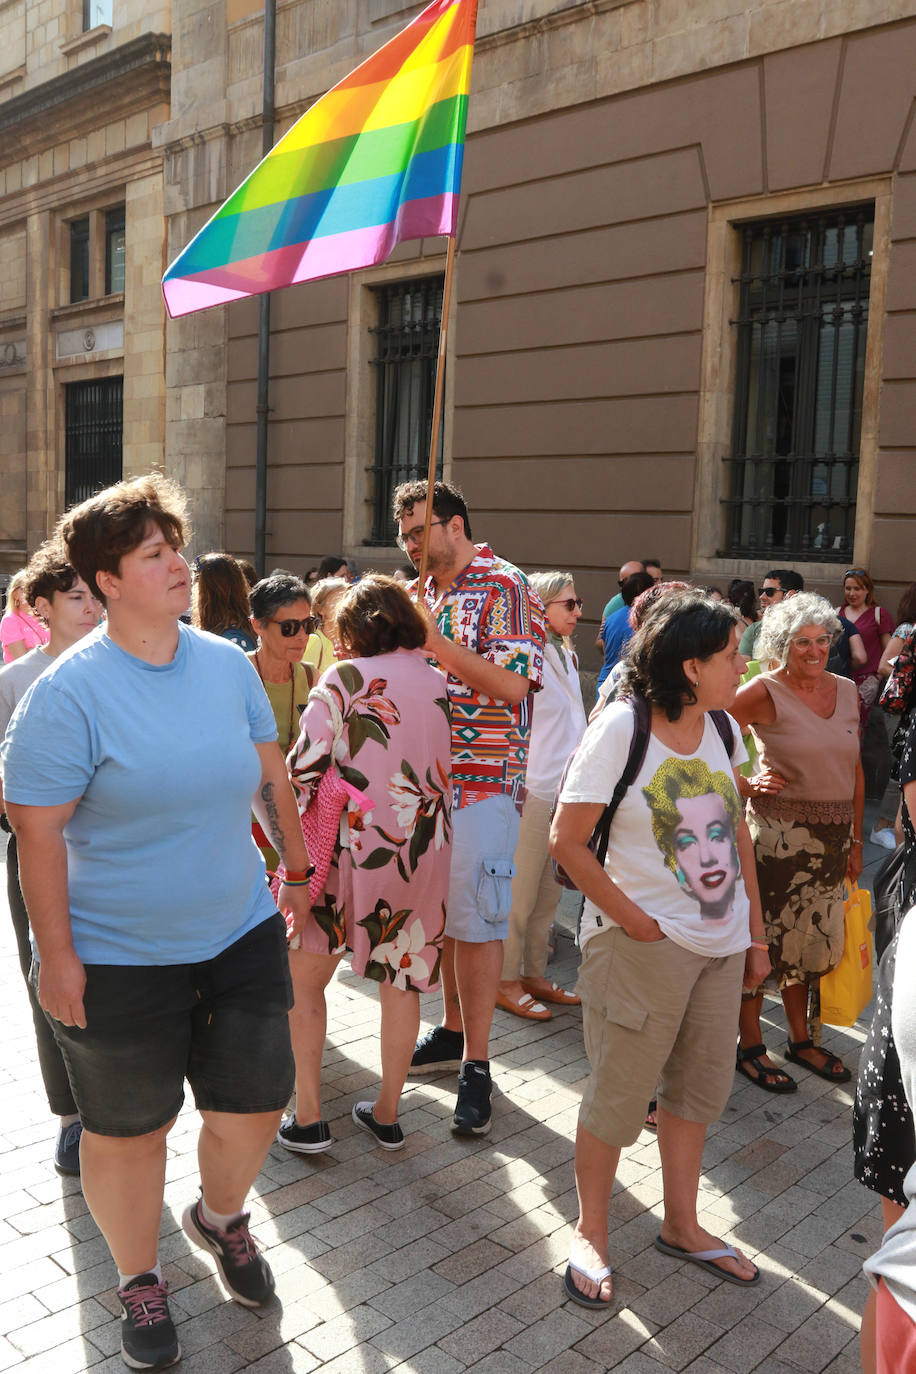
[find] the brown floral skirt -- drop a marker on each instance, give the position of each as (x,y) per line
(801,869)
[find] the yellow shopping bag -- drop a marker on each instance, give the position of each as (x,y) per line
(847,990)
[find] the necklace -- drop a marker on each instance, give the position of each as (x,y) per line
(292,692)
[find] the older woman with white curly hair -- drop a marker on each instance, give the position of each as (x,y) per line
(805,818)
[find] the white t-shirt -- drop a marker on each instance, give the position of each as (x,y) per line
(672,846)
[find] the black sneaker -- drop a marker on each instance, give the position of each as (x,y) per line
(304,1140)
(148,1339)
(244,1272)
(389,1136)
(472,1110)
(439,1050)
(67,1150)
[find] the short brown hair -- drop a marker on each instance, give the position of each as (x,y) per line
(48,571)
(98,533)
(376,616)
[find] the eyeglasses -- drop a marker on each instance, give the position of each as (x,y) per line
(854,572)
(289,628)
(571,603)
(415,535)
(769,591)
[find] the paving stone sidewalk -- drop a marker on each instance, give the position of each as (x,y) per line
(448,1256)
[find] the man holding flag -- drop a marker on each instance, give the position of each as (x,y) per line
(487,632)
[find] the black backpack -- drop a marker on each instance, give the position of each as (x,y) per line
(888,892)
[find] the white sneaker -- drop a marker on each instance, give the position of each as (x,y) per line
(886,838)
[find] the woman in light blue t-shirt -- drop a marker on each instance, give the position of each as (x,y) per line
(130,768)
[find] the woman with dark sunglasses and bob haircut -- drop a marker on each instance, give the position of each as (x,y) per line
(161,955)
(281,617)
(671,929)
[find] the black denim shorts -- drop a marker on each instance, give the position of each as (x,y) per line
(223,1025)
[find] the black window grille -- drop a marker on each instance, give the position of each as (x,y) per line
(407,335)
(94,425)
(801,326)
(79,260)
(114,250)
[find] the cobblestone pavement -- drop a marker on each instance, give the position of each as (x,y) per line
(447,1256)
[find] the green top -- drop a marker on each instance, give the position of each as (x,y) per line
(613,605)
(278,694)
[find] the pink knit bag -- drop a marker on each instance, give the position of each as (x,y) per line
(321,826)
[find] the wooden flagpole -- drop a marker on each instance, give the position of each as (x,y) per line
(437,410)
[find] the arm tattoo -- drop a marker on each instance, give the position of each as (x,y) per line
(274,829)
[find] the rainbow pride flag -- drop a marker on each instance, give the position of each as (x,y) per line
(374,161)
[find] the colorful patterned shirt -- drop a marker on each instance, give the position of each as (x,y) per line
(491,609)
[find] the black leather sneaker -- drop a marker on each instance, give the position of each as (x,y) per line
(472,1110)
(438,1051)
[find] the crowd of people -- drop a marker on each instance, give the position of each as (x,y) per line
(220,786)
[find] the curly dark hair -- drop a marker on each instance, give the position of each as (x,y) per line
(377,617)
(447,501)
(690,625)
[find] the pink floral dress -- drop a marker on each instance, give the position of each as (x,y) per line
(385,723)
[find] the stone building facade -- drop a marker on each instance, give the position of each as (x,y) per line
(82,334)
(684,321)
(684,314)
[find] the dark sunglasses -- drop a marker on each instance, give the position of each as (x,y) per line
(569,602)
(854,572)
(289,628)
(768,591)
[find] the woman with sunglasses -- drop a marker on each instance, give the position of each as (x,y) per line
(559,723)
(281,615)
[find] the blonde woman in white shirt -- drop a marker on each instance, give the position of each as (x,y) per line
(558,725)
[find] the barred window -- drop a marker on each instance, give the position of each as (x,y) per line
(407,345)
(801,326)
(94,429)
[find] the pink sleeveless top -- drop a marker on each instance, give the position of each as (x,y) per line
(817,757)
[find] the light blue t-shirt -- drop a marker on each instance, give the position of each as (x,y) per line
(161,863)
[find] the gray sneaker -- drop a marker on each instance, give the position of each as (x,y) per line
(148,1339)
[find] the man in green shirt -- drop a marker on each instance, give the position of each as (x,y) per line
(778,585)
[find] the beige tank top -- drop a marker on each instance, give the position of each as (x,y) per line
(816,757)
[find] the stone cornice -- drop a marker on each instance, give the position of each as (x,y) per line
(80,183)
(130,77)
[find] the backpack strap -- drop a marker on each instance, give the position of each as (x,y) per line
(722,723)
(639,743)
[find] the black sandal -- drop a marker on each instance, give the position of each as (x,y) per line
(770,1080)
(826,1069)
(651,1110)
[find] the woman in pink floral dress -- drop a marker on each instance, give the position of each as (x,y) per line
(382,719)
